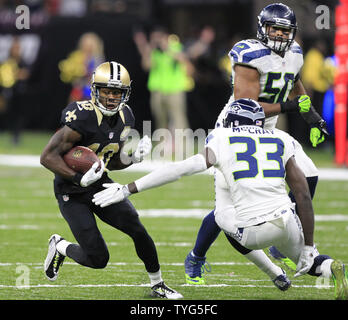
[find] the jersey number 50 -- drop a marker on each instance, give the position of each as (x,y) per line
(272,157)
(277,94)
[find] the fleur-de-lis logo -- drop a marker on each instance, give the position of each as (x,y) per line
(70,116)
(77,154)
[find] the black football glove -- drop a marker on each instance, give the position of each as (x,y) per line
(299,104)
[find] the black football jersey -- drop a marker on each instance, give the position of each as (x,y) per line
(100,133)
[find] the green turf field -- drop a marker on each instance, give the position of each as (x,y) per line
(29,215)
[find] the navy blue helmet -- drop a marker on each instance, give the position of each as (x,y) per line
(277,15)
(244,112)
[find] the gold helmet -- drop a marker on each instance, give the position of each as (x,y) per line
(111,75)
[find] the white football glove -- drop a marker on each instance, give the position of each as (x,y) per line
(143,149)
(305,261)
(113,193)
(92,175)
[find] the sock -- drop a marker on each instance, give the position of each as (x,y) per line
(155,277)
(207,234)
(260,259)
(62,245)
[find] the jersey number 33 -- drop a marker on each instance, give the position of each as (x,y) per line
(269,163)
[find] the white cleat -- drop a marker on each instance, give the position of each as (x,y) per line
(161,290)
(53,259)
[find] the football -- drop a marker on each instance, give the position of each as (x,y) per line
(80,159)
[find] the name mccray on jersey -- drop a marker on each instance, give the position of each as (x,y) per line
(97,134)
(277,74)
(253,162)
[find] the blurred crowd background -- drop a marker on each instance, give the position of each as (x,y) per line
(48,65)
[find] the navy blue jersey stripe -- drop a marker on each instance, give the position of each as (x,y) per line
(296,49)
(234,56)
(248,56)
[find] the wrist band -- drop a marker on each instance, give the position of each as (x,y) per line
(288,106)
(126,191)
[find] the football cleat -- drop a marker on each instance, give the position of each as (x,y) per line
(195,268)
(54,259)
(340,279)
(282,282)
(275,254)
(161,290)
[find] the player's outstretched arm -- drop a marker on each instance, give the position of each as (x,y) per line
(175,170)
(170,172)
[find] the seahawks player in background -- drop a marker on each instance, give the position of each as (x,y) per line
(101,124)
(266,70)
(256,164)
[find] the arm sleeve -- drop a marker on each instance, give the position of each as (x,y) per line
(312,116)
(172,172)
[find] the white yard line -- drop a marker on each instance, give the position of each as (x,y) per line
(148,213)
(39,286)
(147,165)
(179,264)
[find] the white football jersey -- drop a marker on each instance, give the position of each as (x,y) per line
(277,74)
(252,161)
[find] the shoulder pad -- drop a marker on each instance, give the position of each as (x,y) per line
(78,110)
(79,116)
(247,50)
(295,48)
(252,44)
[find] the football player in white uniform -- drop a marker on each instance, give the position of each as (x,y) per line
(266,70)
(256,163)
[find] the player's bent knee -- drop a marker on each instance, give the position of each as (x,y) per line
(99,261)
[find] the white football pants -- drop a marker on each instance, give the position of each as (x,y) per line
(285,233)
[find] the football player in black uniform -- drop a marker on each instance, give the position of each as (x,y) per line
(101,124)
